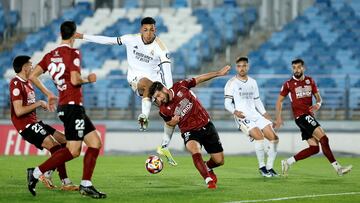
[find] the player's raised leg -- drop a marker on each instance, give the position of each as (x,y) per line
(163,149)
(143,89)
(320,135)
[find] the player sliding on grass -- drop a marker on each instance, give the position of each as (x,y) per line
(242,99)
(179,106)
(149,61)
(301,89)
(23,116)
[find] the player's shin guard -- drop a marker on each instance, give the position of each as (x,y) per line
(90,157)
(59,157)
(324,141)
(200,165)
(272,154)
(305,153)
(260,152)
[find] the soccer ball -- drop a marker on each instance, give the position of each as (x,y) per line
(154,164)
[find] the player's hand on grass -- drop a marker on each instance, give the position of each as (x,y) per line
(52,101)
(92,77)
(224,71)
(78,35)
(239,114)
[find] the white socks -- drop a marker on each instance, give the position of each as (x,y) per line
(37,173)
(291,160)
(272,152)
(86,183)
(336,165)
(260,152)
(168,132)
(146,106)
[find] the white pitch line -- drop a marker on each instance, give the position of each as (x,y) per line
(296,197)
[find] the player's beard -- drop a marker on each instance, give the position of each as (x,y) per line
(166,99)
(298,75)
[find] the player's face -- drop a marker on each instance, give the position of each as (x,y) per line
(148,32)
(242,68)
(161,97)
(27,68)
(298,70)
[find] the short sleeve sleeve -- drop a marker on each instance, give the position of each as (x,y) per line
(314,87)
(75,61)
(284,89)
(44,63)
(15,89)
(229,90)
(189,83)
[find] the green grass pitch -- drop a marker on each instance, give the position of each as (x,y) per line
(125,179)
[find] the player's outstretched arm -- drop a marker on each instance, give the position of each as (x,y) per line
(20,109)
(76,78)
(98,39)
(208,76)
(34,78)
(278,108)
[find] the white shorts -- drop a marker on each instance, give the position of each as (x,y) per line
(245,125)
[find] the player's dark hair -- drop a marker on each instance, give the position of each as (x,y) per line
(296,61)
(67,29)
(148,20)
(19,61)
(242,58)
(156,86)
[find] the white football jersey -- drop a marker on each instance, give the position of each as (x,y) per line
(243,94)
(144,59)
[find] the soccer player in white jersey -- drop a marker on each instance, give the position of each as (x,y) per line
(149,61)
(243,101)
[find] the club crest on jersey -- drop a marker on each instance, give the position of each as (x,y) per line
(307,81)
(179,94)
(152,53)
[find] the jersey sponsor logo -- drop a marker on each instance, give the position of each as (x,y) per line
(183,107)
(142,57)
(16,92)
(179,94)
(246,95)
(31,97)
(302,92)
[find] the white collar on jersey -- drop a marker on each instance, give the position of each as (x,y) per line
(64,45)
(297,79)
(20,78)
(244,81)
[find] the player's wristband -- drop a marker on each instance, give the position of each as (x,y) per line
(319,103)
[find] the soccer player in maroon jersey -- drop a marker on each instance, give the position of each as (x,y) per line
(179,106)
(24,119)
(63,65)
(301,89)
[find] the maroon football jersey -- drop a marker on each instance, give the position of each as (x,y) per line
(59,63)
(20,89)
(184,103)
(301,92)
